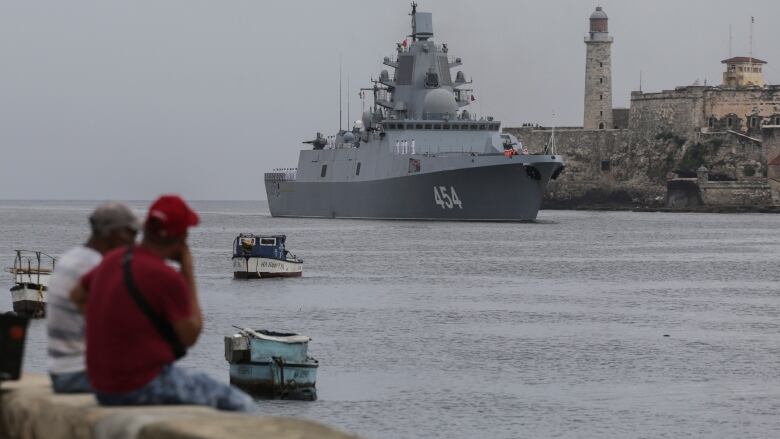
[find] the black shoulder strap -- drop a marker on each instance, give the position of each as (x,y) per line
(164,327)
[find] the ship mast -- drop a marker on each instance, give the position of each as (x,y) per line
(414,21)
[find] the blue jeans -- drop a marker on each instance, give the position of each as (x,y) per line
(74,382)
(175,385)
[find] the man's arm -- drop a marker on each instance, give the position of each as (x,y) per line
(79,296)
(188,329)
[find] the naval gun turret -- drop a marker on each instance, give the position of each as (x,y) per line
(319,142)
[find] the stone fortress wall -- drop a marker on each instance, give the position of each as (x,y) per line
(771,145)
(662,139)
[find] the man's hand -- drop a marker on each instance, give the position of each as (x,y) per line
(189,329)
(185,260)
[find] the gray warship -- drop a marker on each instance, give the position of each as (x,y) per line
(416,153)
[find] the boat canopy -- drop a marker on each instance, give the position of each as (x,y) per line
(263,246)
(280,337)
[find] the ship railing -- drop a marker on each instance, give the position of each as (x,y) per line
(282,174)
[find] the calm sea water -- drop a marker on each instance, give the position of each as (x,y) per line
(584,324)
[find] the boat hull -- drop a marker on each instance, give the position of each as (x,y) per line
(276,379)
(505,192)
(29,300)
(256,268)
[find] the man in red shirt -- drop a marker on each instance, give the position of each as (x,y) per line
(141,314)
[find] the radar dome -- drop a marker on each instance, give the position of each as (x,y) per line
(349,137)
(439,102)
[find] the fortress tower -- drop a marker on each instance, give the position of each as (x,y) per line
(598,74)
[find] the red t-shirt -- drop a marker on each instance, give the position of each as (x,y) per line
(124,350)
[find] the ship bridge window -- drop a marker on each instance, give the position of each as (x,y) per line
(390,126)
(405,69)
(324,170)
(483,127)
(474,127)
(418,126)
(445,127)
(268,241)
(428,126)
(437,126)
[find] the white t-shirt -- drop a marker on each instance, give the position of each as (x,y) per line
(64,323)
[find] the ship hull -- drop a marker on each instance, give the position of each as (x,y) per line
(503,192)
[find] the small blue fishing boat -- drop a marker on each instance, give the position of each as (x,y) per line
(272,365)
(260,256)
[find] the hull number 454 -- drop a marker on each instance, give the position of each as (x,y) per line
(445,199)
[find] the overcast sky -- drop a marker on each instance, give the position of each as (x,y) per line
(128,99)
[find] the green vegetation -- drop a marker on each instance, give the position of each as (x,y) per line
(715,143)
(694,157)
(669,136)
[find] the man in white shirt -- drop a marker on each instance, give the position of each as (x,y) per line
(113,225)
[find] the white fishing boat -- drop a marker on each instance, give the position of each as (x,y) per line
(31,273)
(256,256)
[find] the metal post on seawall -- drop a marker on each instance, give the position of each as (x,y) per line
(13,332)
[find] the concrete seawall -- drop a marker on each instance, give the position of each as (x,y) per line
(30,410)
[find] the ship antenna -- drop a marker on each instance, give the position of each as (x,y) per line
(340,92)
(414,21)
(731,40)
(752,21)
(348,99)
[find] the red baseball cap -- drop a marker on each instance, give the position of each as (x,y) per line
(173,214)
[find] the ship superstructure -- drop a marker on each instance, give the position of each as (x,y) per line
(417,153)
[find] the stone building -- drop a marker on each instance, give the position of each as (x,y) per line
(628,156)
(707,109)
(743,71)
(771,143)
(598,73)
